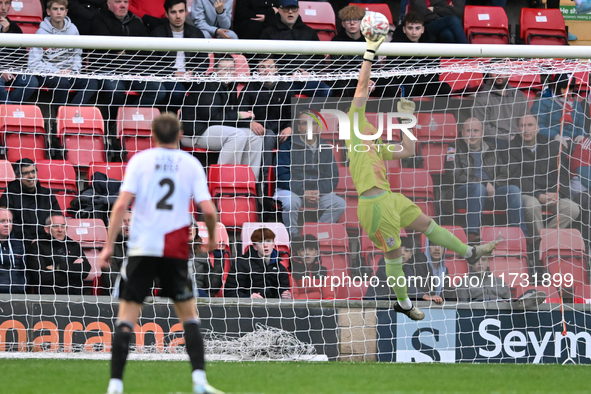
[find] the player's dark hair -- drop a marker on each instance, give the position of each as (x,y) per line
(413,17)
(311,242)
(58,2)
(260,234)
(297,244)
(49,219)
(168,4)
(166,128)
(19,164)
(406,242)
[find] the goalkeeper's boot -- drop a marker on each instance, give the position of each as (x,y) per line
(481,250)
(413,313)
(205,389)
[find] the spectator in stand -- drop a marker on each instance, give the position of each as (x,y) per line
(258,273)
(208,278)
(288,25)
(307,175)
(481,285)
(64,61)
(270,102)
(307,271)
(420,276)
(478,171)
(499,106)
(23,86)
(253,16)
(110,274)
(561,116)
(30,203)
(180,64)
(81,13)
(212,120)
(12,257)
(580,165)
(534,169)
(442,21)
(214,18)
(116,20)
(56,263)
(350,17)
(412,30)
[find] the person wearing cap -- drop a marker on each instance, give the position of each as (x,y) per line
(259,273)
(288,25)
(30,203)
(561,116)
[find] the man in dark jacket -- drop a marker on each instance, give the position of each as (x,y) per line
(81,13)
(22,86)
(442,20)
(208,271)
(30,203)
(270,101)
(251,17)
(212,120)
(477,169)
(116,20)
(258,273)
(307,271)
(307,175)
(56,263)
(288,25)
(534,169)
(109,275)
(12,257)
(179,64)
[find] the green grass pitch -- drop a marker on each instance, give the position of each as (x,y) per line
(147,377)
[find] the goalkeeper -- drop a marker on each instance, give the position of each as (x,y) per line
(383,213)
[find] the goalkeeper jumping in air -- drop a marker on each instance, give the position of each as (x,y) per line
(383,213)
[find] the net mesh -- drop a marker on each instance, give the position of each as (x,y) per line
(63,305)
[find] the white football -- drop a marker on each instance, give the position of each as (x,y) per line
(374,25)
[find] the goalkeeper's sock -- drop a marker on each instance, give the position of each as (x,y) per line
(194,345)
(115,386)
(443,237)
(393,272)
(120,349)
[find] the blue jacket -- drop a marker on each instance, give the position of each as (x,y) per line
(549,113)
(301,168)
(12,267)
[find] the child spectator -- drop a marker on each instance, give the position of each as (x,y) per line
(61,60)
(258,273)
(208,278)
(307,271)
(443,21)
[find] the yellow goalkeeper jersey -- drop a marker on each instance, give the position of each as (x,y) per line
(367,163)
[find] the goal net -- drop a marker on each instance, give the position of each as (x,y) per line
(501,153)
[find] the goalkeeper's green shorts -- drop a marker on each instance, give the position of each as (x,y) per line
(383,216)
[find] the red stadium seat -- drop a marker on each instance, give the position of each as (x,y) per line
(334,245)
(240,63)
(382,8)
(81,131)
(233,189)
(563,252)
(111,170)
(464,75)
(28,14)
(486,25)
(542,27)
(64,201)
(152,8)
(134,128)
(57,175)
(436,127)
(23,130)
(91,234)
(6,174)
(320,16)
(434,156)
(510,256)
(416,184)
(346,187)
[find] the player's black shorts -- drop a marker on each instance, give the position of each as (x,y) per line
(138,275)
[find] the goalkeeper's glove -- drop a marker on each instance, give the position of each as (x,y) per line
(372,48)
(407,107)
